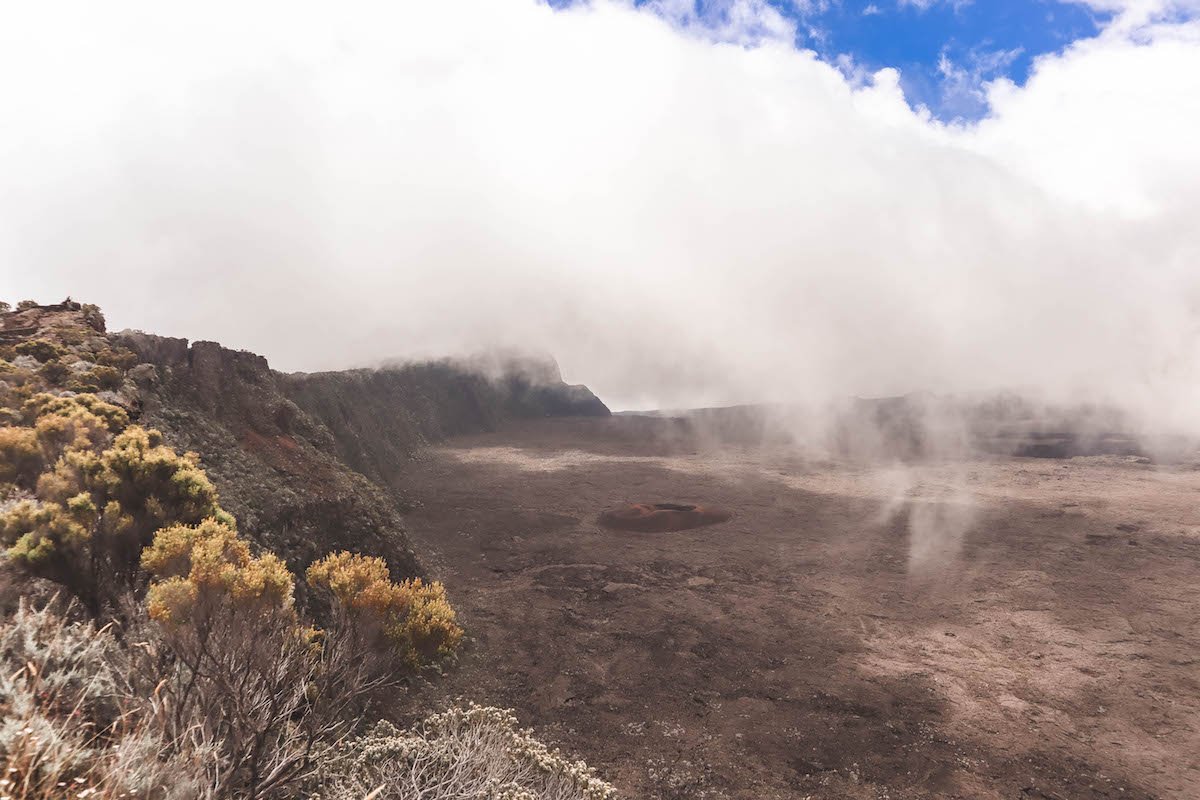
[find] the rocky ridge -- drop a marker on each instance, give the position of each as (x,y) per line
(306,462)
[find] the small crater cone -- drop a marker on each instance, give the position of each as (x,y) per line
(662,517)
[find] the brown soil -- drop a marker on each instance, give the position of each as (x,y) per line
(661,517)
(1020,628)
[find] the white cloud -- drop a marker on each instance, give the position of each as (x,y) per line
(925,5)
(745,22)
(1109,124)
(678,220)
(1131,15)
(964,85)
(1142,7)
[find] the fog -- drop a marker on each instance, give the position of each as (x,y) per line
(683,207)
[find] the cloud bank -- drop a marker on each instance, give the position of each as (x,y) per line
(680,217)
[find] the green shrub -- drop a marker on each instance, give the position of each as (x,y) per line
(53,372)
(154,483)
(41,349)
(106,377)
(120,357)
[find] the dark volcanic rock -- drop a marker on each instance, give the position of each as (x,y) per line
(376,419)
(276,468)
(662,517)
(306,462)
(380,417)
(553,400)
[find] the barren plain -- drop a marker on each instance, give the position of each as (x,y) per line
(993,628)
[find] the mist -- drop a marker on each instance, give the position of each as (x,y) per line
(683,210)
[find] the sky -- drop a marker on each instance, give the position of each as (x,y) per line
(685,205)
(945,50)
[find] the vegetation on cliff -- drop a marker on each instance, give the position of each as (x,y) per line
(168,655)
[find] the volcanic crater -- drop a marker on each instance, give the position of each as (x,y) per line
(662,517)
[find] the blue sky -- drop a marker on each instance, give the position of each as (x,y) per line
(945,50)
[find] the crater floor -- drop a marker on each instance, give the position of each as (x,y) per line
(989,629)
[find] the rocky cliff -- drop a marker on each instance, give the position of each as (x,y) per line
(305,462)
(377,418)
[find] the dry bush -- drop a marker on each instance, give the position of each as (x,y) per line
(222,695)
(239,688)
(476,753)
(251,714)
(243,687)
(72,725)
(227,705)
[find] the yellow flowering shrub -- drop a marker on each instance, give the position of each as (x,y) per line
(414,618)
(79,429)
(149,478)
(41,349)
(101,488)
(43,405)
(20,456)
(209,562)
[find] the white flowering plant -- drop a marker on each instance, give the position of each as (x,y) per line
(476,752)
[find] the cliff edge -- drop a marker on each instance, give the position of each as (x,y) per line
(306,462)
